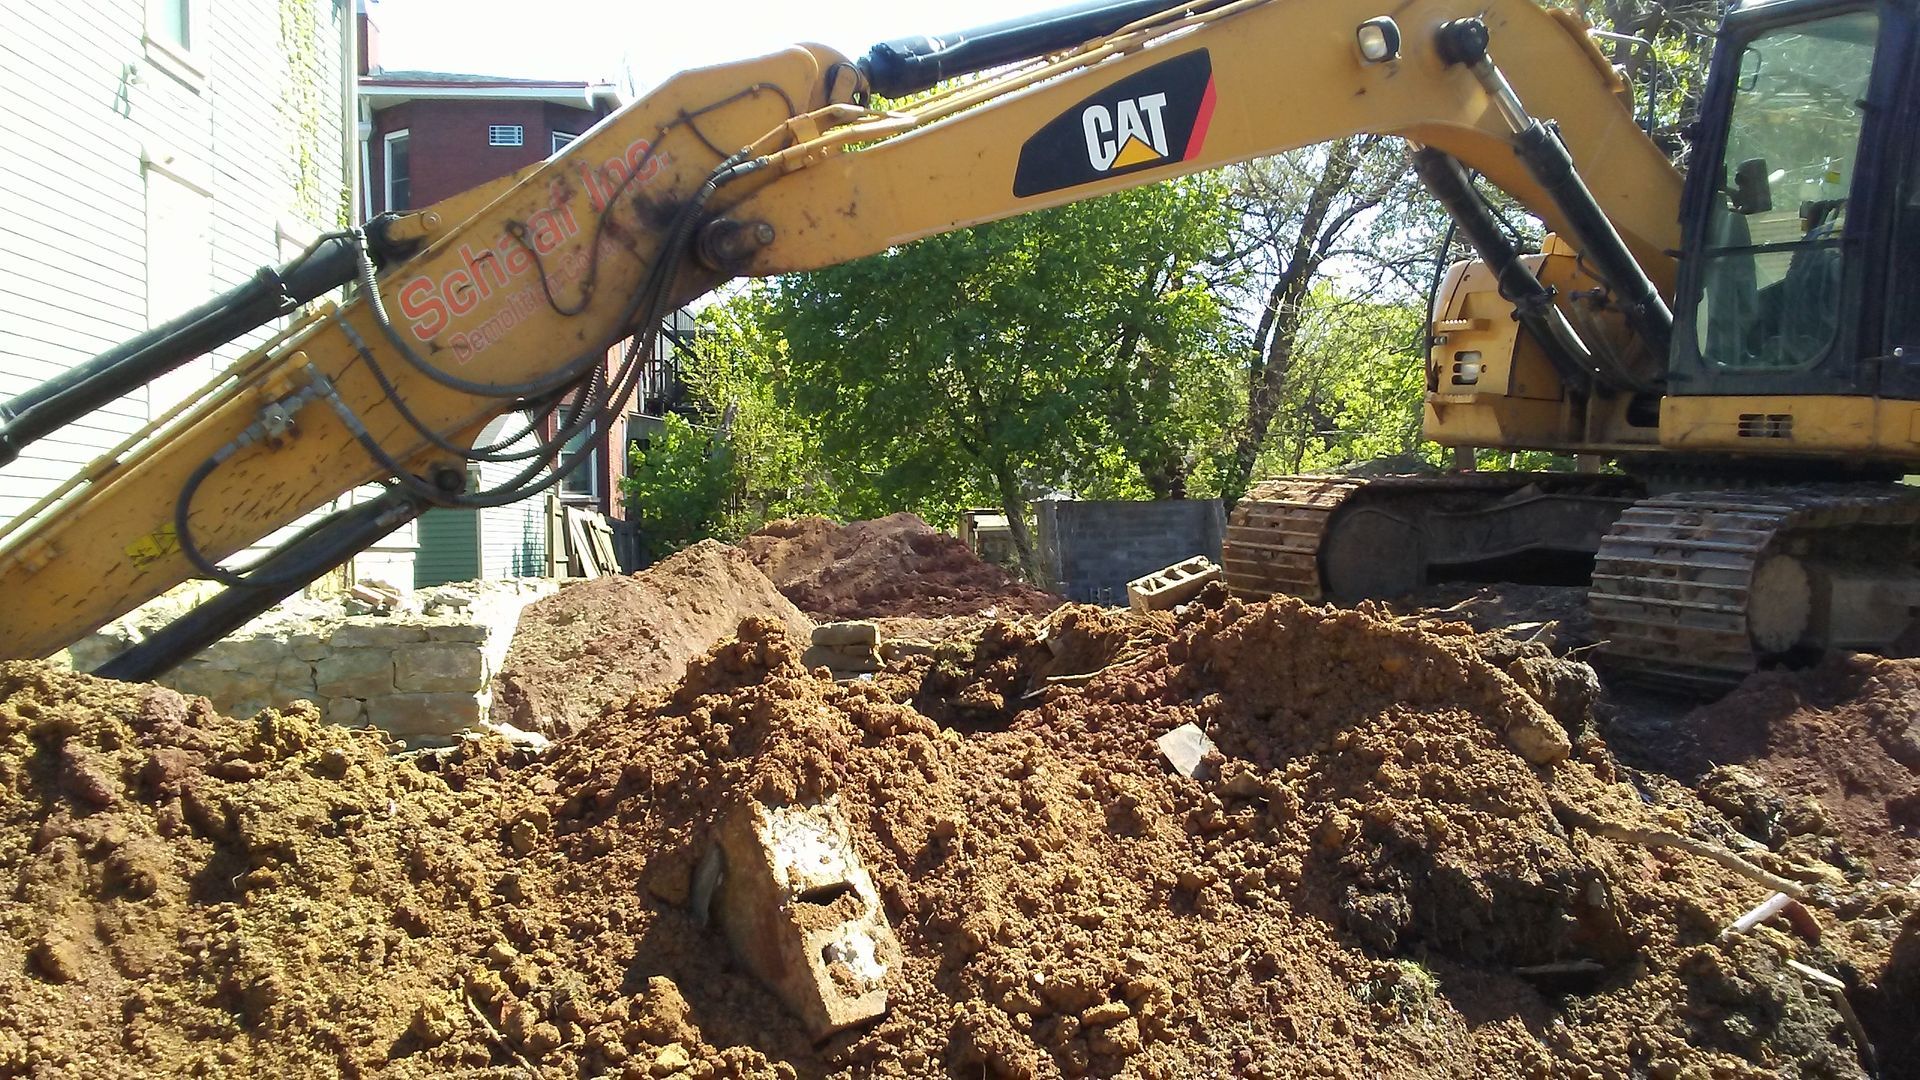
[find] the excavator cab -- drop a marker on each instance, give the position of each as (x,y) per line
(1800,207)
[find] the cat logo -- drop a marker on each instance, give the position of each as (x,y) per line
(1151,118)
(1131,133)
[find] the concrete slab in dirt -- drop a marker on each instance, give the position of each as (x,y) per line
(803,914)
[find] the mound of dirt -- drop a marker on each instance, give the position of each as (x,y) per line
(891,566)
(1368,881)
(1846,734)
(183,894)
(608,639)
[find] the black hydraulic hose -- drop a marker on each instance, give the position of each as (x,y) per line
(74,393)
(1545,156)
(316,550)
(908,65)
(1533,304)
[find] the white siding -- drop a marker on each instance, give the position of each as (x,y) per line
(103,133)
(513,538)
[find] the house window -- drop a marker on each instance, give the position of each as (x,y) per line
(172,32)
(399,170)
(171,22)
(505,135)
(583,480)
(562,138)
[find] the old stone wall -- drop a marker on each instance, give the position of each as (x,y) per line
(425,671)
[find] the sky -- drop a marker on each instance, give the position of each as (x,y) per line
(600,39)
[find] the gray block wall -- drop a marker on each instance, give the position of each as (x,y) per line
(1090,550)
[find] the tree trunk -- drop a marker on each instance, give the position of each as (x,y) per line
(1015,508)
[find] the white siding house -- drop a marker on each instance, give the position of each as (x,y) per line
(157,152)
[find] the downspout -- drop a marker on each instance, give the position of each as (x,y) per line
(350,144)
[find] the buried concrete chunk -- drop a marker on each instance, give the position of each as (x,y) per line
(802,913)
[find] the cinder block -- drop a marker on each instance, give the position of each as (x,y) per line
(803,915)
(1172,586)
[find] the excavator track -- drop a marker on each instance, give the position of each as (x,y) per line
(1344,537)
(1273,538)
(1681,596)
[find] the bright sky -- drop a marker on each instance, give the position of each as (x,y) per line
(599,39)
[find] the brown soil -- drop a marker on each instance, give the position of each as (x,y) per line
(610,638)
(1350,893)
(891,566)
(1846,734)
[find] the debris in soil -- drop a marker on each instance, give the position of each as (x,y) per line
(609,638)
(1552,615)
(1822,763)
(891,566)
(1357,890)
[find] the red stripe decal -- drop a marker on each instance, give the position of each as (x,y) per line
(1200,122)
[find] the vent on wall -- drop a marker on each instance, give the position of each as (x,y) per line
(1766,425)
(505,135)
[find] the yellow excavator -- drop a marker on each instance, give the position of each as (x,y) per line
(1733,343)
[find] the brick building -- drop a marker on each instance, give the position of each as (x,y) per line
(429,135)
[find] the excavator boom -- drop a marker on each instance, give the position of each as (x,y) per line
(508,299)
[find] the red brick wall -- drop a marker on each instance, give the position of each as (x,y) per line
(448,142)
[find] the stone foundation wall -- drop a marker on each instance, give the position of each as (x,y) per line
(416,673)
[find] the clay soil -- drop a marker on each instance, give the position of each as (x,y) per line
(1398,864)
(607,639)
(890,566)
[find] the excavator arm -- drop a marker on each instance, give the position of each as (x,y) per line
(508,298)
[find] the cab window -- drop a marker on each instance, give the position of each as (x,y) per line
(1772,256)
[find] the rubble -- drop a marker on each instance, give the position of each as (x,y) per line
(1394,868)
(605,639)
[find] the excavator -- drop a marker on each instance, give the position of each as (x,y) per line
(1726,351)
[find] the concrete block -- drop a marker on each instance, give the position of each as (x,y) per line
(424,714)
(846,633)
(458,631)
(439,667)
(355,673)
(1165,589)
(803,915)
(226,689)
(377,635)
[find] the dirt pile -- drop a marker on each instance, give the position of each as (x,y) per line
(1835,751)
(1367,883)
(610,638)
(184,894)
(891,566)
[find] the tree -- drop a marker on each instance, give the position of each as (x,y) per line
(1359,387)
(678,487)
(1351,205)
(1049,351)
(732,371)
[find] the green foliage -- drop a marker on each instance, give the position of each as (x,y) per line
(678,487)
(734,371)
(313,162)
(1071,349)
(1358,389)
